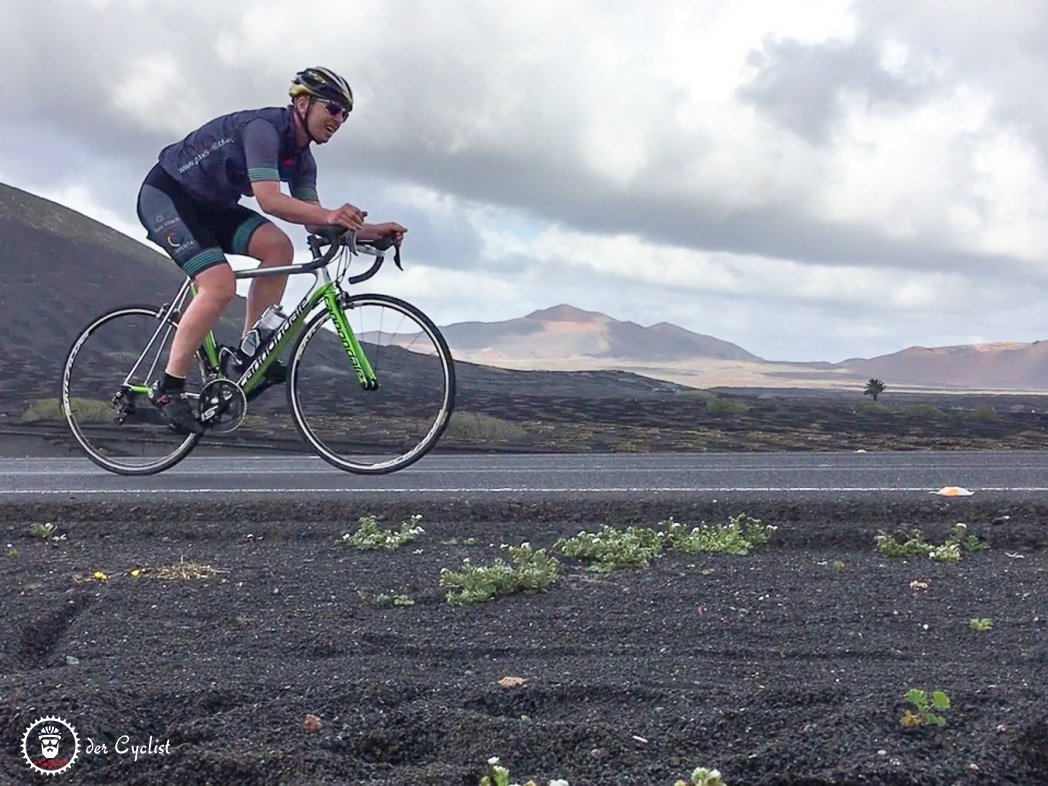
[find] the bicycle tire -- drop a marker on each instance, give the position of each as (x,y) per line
(97,363)
(372,432)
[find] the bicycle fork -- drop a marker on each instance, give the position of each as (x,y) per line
(365,374)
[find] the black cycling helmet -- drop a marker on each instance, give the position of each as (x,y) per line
(322,83)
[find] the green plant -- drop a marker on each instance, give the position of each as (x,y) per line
(44,409)
(874,388)
(738,536)
(478,583)
(838,564)
(985,413)
(530,571)
(871,408)
(721,406)
(968,542)
(700,776)
(613,549)
(980,623)
(12,552)
(916,546)
(87,410)
(370,536)
(498,775)
(483,429)
(382,599)
(48,532)
(922,411)
(947,552)
(925,711)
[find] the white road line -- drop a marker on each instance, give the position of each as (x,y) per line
(286,470)
(516,490)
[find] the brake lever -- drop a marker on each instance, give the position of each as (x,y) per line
(383,243)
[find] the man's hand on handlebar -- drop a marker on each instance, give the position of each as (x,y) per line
(348,216)
(390,229)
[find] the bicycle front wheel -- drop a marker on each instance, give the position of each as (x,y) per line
(104,392)
(380,430)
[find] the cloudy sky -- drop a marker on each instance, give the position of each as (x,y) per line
(810,179)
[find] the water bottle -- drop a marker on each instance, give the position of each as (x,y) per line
(271,319)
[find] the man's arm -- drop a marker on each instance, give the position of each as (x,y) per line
(312,214)
(261,149)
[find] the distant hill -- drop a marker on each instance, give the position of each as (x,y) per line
(569,338)
(565,331)
(1001,365)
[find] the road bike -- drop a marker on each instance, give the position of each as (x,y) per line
(370,380)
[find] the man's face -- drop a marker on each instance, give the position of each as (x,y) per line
(324,118)
(49,746)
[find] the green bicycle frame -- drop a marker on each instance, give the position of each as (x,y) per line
(324,290)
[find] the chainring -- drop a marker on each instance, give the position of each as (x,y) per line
(223,406)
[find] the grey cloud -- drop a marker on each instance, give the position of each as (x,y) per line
(448,243)
(775,230)
(996,48)
(800,86)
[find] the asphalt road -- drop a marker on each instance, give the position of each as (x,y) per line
(799,476)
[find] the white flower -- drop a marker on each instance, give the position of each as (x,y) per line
(493,760)
(558,782)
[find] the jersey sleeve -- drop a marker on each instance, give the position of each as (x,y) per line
(304,179)
(261,150)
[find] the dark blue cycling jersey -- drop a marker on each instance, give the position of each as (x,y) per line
(219,161)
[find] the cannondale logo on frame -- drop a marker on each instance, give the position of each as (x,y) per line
(50,745)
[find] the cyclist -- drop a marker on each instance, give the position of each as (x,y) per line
(189,207)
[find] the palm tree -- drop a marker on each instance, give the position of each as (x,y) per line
(874,388)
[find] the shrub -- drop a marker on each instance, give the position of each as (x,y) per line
(613,549)
(988,414)
(922,411)
(741,534)
(483,429)
(721,406)
(370,536)
(47,532)
(925,711)
(530,571)
(916,546)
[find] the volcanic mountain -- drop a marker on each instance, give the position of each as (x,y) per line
(565,332)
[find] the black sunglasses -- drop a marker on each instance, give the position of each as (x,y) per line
(335,109)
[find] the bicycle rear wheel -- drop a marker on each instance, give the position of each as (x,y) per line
(104,392)
(387,428)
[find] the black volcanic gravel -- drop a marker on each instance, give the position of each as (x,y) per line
(781,667)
